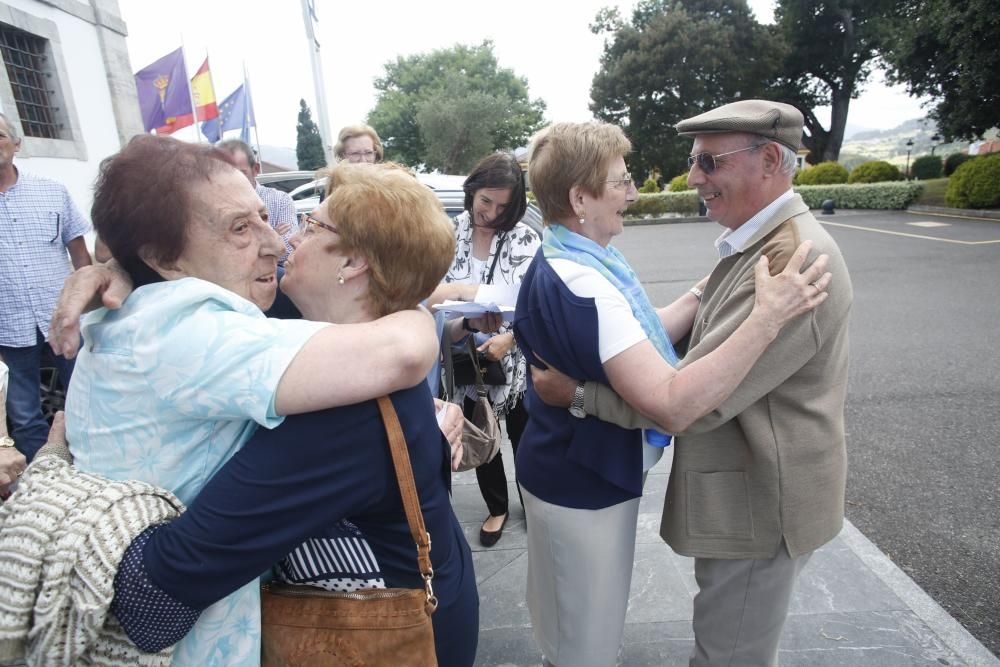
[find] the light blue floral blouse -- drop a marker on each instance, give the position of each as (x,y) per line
(165,390)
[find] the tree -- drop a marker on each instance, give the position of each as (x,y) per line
(831,46)
(456,126)
(420,94)
(946,49)
(673,60)
(309,144)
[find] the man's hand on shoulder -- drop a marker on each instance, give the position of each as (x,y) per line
(553,387)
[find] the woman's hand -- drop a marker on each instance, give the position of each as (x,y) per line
(451,423)
(792,292)
(497,346)
(86,289)
(12,465)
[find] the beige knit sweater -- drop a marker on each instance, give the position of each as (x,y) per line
(62,535)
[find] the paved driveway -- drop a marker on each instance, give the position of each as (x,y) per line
(923,411)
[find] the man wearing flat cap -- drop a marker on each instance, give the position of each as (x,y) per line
(758,484)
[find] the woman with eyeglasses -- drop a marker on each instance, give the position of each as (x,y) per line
(358,144)
(492,247)
(176,380)
(583,311)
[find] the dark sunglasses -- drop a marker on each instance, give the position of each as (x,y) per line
(707,162)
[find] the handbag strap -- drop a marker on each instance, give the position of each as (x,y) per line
(496,256)
(474,355)
(408,492)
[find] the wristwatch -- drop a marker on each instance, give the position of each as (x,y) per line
(576,406)
(6,441)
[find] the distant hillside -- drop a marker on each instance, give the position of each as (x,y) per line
(891,144)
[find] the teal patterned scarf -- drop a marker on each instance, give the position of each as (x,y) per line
(560,243)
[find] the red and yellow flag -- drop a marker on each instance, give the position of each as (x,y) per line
(204,94)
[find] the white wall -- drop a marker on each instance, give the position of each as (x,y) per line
(91,96)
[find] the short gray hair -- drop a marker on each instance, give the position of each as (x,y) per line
(11,128)
(789,160)
(233,145)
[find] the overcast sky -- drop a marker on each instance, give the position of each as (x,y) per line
(546,41)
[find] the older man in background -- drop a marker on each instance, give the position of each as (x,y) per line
(38,225)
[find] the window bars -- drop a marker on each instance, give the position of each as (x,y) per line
(28,71)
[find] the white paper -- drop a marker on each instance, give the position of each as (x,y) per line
(502,294)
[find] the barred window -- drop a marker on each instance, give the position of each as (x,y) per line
(26,57)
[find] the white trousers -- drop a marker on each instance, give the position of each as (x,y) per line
(579,574)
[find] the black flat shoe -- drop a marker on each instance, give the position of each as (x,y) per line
(490,537)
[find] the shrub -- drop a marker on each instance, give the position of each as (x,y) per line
(953,161)
(926,167)
(650,186)
(653,205)
(825,173)
(883,196)
(876,171)
(975,184)
(679,183)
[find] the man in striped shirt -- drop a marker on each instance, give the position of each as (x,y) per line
(38,224)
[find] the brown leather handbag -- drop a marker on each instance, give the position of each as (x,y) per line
(304,626)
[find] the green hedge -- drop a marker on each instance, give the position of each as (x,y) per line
(650,186)
(883,196)
(876,171)
(825,173)
(926,167)
(975,184)
(954,161)
(660,203)
(679,184)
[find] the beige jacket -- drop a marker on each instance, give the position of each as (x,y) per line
(770,463)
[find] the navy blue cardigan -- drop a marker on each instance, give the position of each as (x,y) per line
(581,463)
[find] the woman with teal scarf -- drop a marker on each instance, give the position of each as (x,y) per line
(583,311)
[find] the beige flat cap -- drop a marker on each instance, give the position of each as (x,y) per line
(772,120)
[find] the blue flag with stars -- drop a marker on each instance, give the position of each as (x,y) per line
(235,113)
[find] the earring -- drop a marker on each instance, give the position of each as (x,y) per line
(340,278)
(583,221)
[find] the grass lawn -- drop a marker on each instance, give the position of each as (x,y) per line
(933,194)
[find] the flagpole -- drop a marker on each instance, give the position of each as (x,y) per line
(308,16)
(249,111)
(211,82)
(187,82)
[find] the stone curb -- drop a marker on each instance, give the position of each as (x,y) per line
(956,212)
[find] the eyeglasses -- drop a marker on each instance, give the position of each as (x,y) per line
(707,162)
(360,156)
(308,222)
(624,181)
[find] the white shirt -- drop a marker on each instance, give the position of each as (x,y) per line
(733,241)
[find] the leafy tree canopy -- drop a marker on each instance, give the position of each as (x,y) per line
(831,46)
(309,144)
(447,107)
(672,60)
(947,49)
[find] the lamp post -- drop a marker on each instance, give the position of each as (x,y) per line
(935,140)
(909,147)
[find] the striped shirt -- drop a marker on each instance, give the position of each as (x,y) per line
(280,210)
(341,560)
(733,241)
(37,220)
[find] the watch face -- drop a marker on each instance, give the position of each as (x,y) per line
(577,412)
